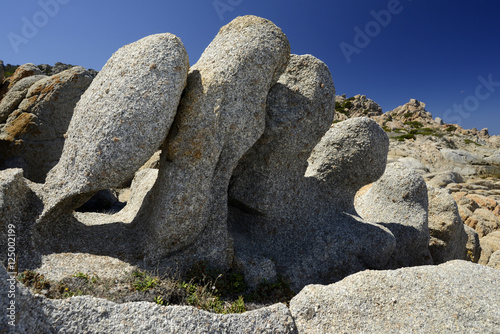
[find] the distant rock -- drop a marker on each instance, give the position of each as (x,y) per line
(33,136)
(22,72)
(455,297)
(489,245)
(356,106)
(399,201)
(448,237)
(473,245)
(494,260)
(16,95)
(119,122)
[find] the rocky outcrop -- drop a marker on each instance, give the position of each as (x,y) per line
(479,212)
(356,106)
(33,136)
(22,72)
(16,95)
(454,297)
(221,115)
(448,237)
(399,201)
(119,122)
(489,245)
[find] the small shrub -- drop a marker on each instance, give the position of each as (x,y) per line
(414,124)
(406,136)
(408,115)
(347,104)
(451,128)
(144,281)
(468,141)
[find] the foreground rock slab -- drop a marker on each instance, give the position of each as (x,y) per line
(455,297)
(36,314)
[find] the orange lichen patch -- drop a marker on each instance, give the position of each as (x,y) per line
(18,75)
(20,125)
(363,190)
(47,88)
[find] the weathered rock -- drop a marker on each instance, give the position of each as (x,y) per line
(494,260)
(33,137)
(221,115)
(484,222)
(489,245)
(398,200)
(473,246)
(462,157)
(448,238)
(455,297)
(301,216)
(414,164)
(356,106)
(22,72)
(93,315)
(16,95)
(445,178)
(18,209)
(119,122)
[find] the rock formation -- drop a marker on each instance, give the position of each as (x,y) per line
(33,136)
(119,122)
(221,115)
(252,177)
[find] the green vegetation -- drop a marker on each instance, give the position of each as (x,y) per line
(414,124)
(408,115)
(451,128)
(202,287)
(468,141)
(404,137)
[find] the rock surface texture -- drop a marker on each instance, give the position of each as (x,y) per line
(454,297)
(398,200)
(119,122)
(221,115)
(448,238)
(302,217)
(36,314)
(33,137)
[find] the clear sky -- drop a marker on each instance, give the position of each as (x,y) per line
(445,53)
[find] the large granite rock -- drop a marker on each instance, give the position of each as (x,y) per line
(33,137)
(448,238)
(16,95)
(455,297)
(398,200)
(119,122)
(301,215)
(36,314)
(221,115)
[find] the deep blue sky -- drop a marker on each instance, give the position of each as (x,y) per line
(434,51)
